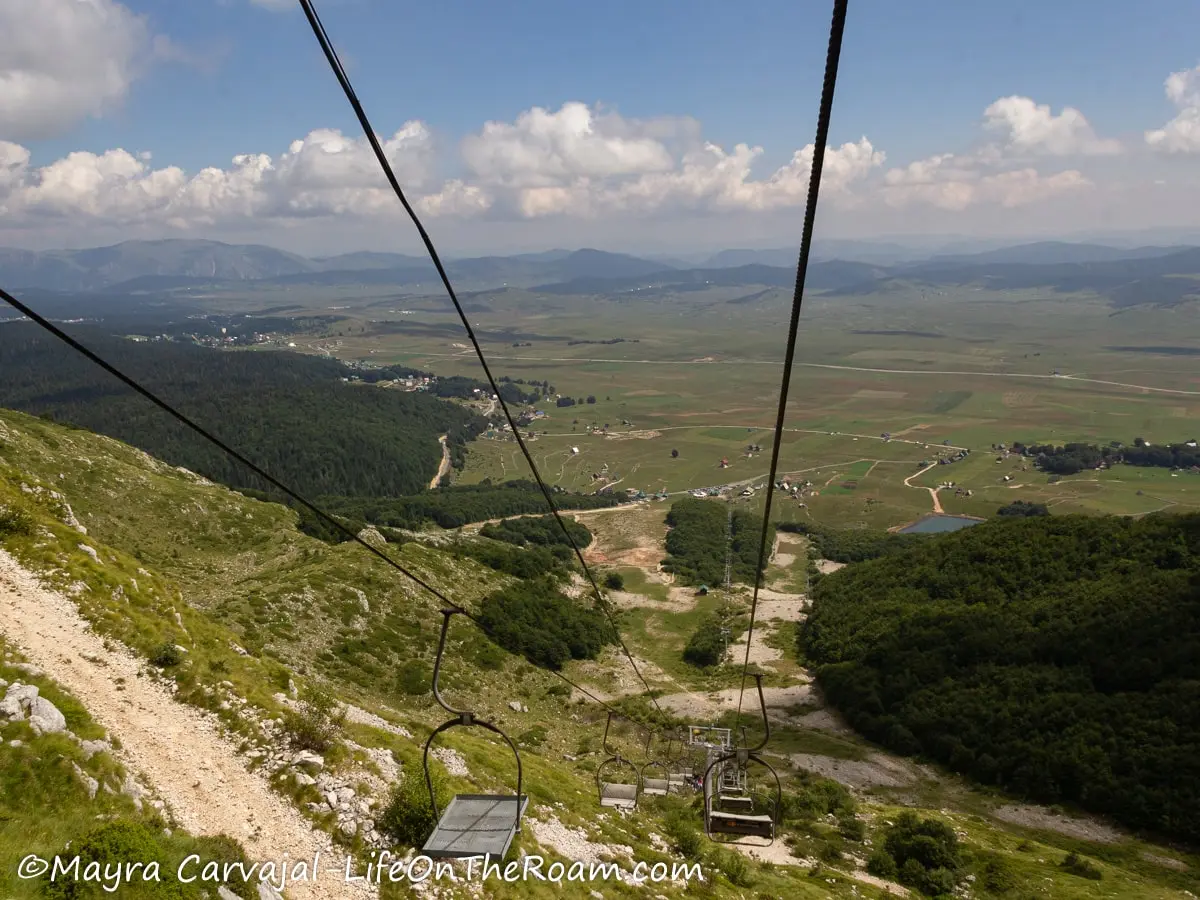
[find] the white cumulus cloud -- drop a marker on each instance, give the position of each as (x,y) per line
(583,162)
(952,183)
(65,60)
(1182,133)
(322,174)
(1032,128)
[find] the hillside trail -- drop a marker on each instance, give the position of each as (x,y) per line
(176,748)
(444,465)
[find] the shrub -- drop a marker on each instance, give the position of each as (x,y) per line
(489,657)
(110,845)
(409,818)
(315,724)
(1078,865)
(15,519)
(995,874)
(881,865)
(735,867)
(166,656)
(614,581)
(414,677)
(852,829)
(534,737)
(706,647)
(223,850)
(684,837)
(926,851)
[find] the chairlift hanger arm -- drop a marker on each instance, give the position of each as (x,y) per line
(462,718)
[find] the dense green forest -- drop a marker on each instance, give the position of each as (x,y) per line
(1057,656)
(847,545)
(699,536)
(535,620)
(290,414)
(538,531)
(1072,458)
(453,507)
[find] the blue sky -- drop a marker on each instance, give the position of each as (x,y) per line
(915,79)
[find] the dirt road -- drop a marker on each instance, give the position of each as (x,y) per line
(444,467)
(937,504)
(176,748)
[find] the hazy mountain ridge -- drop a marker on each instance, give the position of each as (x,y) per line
(168,264)
(1127,276)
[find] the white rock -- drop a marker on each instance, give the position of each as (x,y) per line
(309,759)
(225,893)
(91,551)
(91,748)
(45,718)
(266,892)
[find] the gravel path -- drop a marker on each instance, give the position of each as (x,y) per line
(176,748)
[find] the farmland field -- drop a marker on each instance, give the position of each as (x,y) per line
(697,373)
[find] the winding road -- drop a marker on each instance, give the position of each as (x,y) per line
(937,504)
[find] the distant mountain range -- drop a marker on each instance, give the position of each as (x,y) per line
(1128,276)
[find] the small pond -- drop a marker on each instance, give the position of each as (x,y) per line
(935,523)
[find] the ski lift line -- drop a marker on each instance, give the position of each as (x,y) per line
(833,54)
(257,470)
(339,72)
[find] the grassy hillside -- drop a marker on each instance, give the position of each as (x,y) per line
(260,608)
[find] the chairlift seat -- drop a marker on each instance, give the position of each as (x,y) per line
(476,825)
(618,796)
(742,824)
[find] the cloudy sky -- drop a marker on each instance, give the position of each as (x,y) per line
(651,125)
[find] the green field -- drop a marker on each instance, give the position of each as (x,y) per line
(699,374)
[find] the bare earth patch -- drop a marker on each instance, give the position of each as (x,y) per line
(876,770)
(828,566)
(1166,862)
(704,707)
(1071,826)
(825,720)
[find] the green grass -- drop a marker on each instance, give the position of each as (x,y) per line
(636,582)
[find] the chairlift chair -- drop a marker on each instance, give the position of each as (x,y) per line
(756,818)
(617,794)
(657,787)
(473,824)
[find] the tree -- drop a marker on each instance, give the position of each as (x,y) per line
(674,454)
(707,644)
(591,398)
(614,581)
